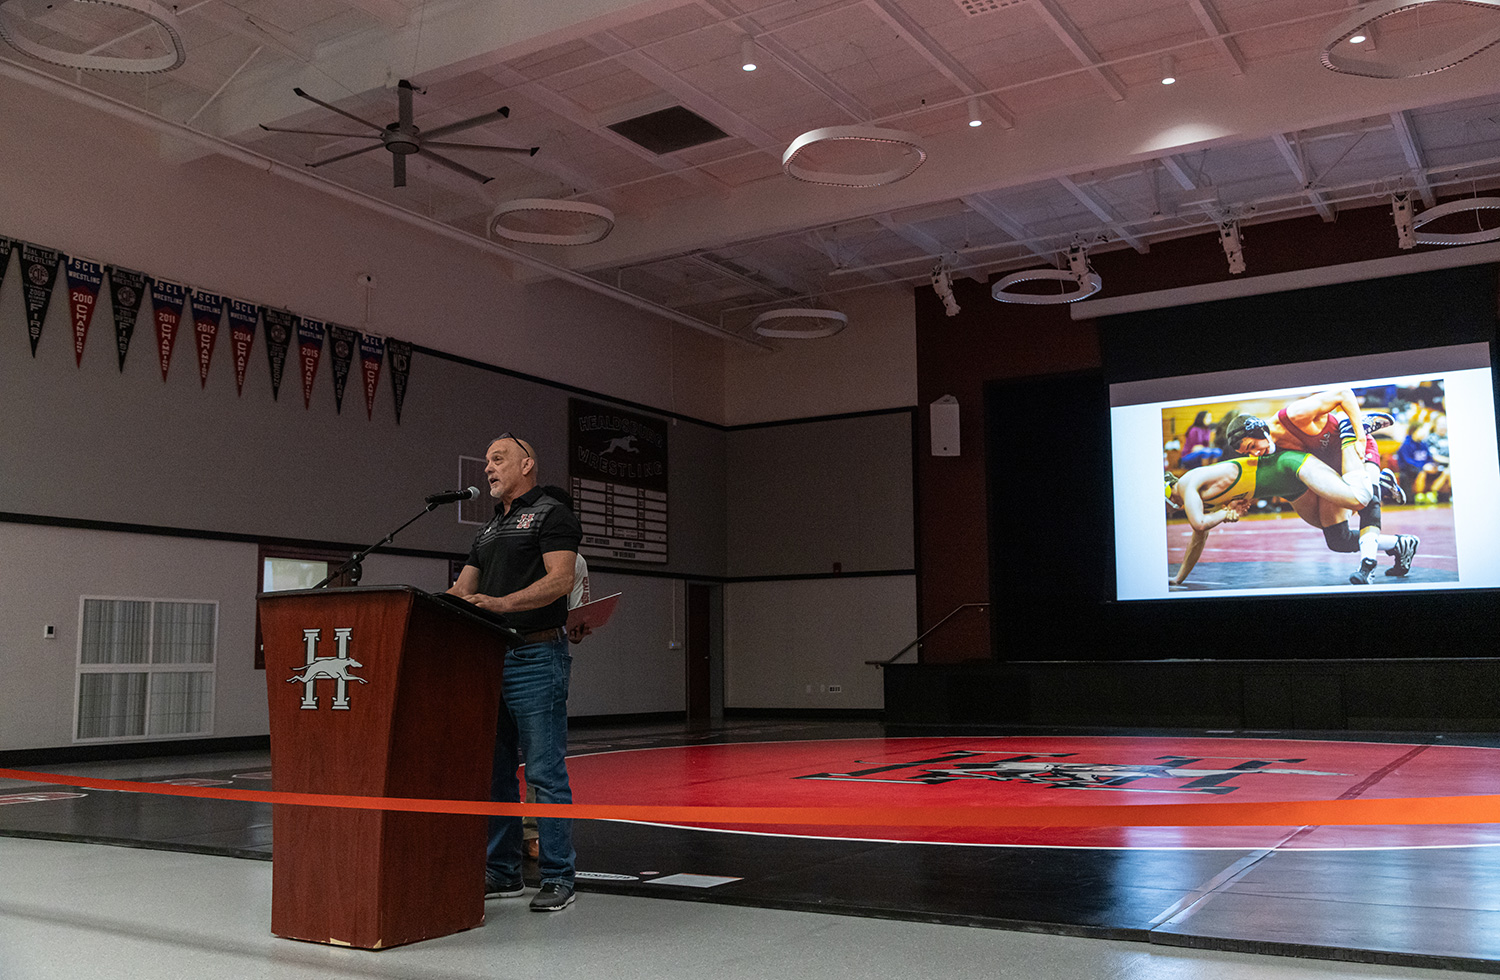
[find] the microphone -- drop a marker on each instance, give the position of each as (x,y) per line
(447,498)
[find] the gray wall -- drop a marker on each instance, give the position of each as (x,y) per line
(802,497)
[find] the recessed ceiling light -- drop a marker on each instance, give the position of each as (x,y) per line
(1358,39)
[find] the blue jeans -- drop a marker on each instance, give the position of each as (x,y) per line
(533,725)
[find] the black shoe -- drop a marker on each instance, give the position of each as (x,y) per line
(553,897)
(495,888)
(1366,573)
(1405,551)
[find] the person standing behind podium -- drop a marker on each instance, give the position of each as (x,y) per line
(522,566)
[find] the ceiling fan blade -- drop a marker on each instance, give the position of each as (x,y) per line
(403,103)
(527,150)
(503,112)
(345,156)
(454,166)
(319,132)
(398,169)
(333,108)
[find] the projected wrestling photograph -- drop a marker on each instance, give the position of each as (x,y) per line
(1334,486)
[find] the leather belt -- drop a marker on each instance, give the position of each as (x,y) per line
(541,636)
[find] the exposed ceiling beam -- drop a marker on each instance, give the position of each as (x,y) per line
(913,236)
(922,42)
(728,271)
(1179,172)
(1416,160)
(1209,17)
(790,283)
(832,251)
(1104,214)
(1004,222)
(1074,41)
(1303,173)
(238,22)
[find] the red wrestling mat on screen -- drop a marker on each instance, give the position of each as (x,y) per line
(1051,771)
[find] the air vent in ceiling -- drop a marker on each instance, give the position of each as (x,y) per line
(669,130)
(976,7)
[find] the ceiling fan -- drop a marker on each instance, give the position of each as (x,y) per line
(404,138)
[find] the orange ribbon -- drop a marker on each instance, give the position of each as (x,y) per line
(1406,811)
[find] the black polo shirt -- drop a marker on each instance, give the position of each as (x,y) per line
(508,553)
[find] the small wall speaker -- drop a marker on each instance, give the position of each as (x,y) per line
(944,418)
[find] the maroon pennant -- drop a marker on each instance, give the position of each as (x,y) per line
(208,310)
(371,353)
(167,301)
(84,280)
(242,319)
(310,349)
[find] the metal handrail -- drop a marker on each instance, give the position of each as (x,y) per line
(900,653)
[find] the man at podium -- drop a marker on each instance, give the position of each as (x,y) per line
(521,567)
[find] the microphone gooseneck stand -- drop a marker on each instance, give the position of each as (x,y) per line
(354,566)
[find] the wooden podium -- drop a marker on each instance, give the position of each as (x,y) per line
(378,691)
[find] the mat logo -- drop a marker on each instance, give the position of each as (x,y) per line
(1047,769)
(319,668)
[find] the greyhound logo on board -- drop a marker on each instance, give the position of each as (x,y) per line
(334,668)
(1047,769)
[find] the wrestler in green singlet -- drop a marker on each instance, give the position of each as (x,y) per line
(1263,476)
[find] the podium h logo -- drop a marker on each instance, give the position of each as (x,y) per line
(334,668)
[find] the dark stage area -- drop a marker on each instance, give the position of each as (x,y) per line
(1419,896)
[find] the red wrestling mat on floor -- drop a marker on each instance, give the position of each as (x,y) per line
(1051,771)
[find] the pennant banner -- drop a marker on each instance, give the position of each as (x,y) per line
(84,280)
(280,324)
(39,272)
(399,353)
(5,246)
(125,291)
(343,342)
(242,319)
(309,349)
(208,310)
(167,301)
(371,353)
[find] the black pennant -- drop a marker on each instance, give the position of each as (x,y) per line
(39,275)
(281,326)
(398,356)
(126,288)
(5,246)
(344,343)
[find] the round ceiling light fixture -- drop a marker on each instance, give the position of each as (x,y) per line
(783,323)
(854,156)
(1475,204)
(1358,25)
(543,221)
(1086,285)
(13,32)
